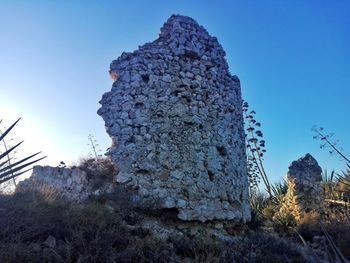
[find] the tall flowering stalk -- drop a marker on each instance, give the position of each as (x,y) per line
(255,150)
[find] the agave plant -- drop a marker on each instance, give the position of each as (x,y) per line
(344,177)
(10,170)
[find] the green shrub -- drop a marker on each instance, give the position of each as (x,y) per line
(265,207)
(258,202)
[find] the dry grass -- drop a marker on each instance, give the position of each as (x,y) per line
(99,170)
(37,228)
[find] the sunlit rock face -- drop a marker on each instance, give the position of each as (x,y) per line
(175,118)
(71,183)
(304,187)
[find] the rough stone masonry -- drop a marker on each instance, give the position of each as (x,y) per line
(304,188)
(175,118)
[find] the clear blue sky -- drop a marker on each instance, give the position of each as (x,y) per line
(293,59)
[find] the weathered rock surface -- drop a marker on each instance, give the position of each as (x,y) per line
(304,187)
(175,118)
(71,183)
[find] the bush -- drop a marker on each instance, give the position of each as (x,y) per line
(99,170)
(262,247)
(265,207)
(86,232)
(258,202)
(283,222)
(339,231)
(254,247)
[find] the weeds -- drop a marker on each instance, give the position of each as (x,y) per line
(34,229)
(99,170)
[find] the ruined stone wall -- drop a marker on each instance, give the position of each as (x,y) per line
(71,183)
(175,118)
(304,193)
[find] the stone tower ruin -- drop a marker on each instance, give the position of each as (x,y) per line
(304,193)
(175,118)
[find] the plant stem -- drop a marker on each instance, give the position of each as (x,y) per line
(333,146)
(93,146)
(258,160)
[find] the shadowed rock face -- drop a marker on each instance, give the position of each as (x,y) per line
(175,119)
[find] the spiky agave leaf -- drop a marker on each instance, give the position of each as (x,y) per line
(5,172)
(2,136)
(13,170)
(315,258)
(9,150)
(339,256)
(14,175)
(5,162)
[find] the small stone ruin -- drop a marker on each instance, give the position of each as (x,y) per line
(70,183)
(174,115)
(77,183)
(304,187)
